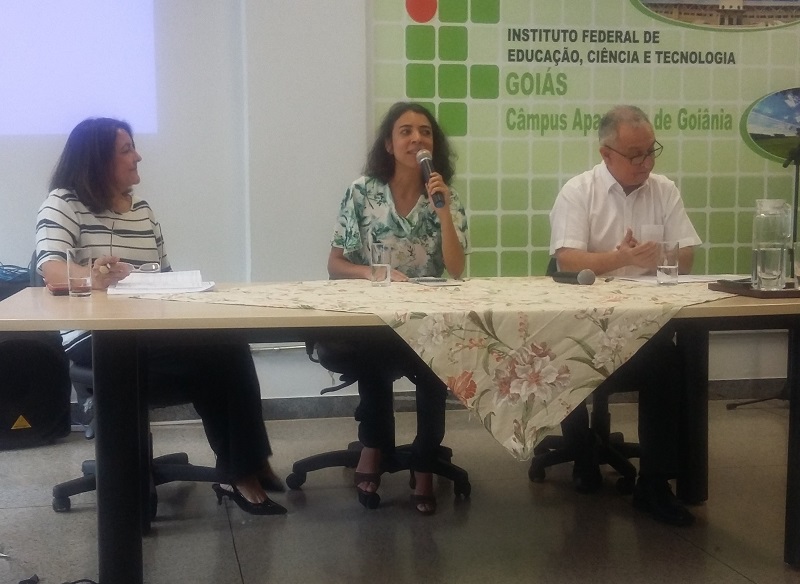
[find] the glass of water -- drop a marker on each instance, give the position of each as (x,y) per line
(769,267)
(797,265)
(79,271)
(380,264)
(667,268)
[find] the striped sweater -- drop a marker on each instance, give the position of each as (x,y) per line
(63,222)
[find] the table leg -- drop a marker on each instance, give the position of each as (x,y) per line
(791,550)
(117,448)
(692,486)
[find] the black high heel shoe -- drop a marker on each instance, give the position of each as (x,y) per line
(267,507)
(370,500)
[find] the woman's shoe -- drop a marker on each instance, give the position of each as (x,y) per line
(370,500)
(427,502)
(266,507)
(424,504)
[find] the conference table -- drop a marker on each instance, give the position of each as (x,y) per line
(120,324)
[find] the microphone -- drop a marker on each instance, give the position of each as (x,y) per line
(584,277)
(425,162)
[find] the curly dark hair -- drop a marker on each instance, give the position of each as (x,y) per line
(380,163)
(86,162)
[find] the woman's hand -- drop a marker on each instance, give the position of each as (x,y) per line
(398,276)
(108,270)
(340,267)
(452,252)
(436,184)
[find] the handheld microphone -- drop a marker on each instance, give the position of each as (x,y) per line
(584,277)
(425,162)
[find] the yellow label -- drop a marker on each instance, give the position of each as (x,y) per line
(21,424)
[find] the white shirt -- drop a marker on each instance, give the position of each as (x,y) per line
(592,213)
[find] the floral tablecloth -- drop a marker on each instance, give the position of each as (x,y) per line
(520,353)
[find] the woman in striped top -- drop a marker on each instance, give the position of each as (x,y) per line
(91,205)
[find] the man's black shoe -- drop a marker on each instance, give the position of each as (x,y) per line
(656,498)
(586,477)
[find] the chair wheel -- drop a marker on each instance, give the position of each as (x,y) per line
(625,485)
(536,474)
(295,480)
(369,500)
(462,489)
(61,504)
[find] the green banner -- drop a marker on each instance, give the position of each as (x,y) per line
(520,86)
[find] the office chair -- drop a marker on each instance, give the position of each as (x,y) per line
(80,382)
(609,447)
(81,378)
(163,469)
(336,357)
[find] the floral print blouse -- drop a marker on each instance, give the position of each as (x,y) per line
(368,215)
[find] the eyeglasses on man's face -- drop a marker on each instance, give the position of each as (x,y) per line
(639,159)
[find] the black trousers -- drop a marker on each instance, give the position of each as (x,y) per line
(220,381)
(376,364)
(656,372)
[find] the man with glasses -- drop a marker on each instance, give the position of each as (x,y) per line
(602,220)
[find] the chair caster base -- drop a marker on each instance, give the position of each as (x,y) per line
(369,500)
(295,480)
(61,504)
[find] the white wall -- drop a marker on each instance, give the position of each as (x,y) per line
(306,103)
(747,355)
(262,125)
(263,122)
(193,171)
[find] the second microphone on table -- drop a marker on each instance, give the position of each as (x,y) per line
(425,161)
(584,277)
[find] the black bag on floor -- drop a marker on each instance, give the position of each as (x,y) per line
(35,389)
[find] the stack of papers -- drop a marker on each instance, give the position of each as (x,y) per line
(683,278)
(139,283)
(427,281)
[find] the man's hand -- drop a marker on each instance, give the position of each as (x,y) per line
(633,253)
(644,255)
(629,240)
